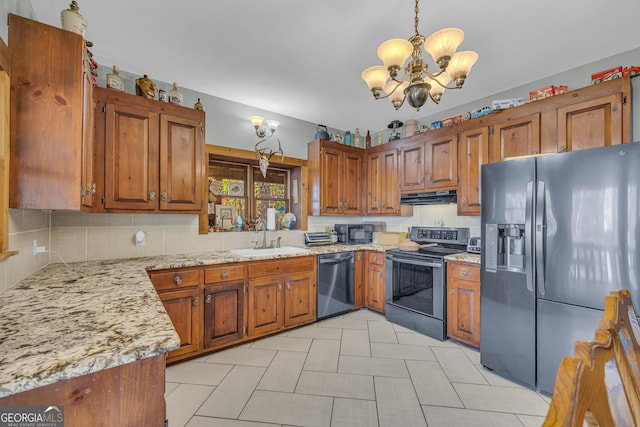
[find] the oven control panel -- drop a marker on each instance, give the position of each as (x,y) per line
(451,235)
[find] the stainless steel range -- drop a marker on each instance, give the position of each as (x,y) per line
(416,281)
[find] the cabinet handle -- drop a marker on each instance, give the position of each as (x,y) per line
(207,299)
(375,258)
(358,257)
(196,300)
(289,286)
(465,272)
(454,291)
(152,195)
(562,149)
(163,195)
(224,275)
(177,280)
(428,177)
(93,188)
(464,201)
(279,286)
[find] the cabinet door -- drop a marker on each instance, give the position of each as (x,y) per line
(594,123)
(181,163)
(223,314)
(183,308)
(383,194)
(411,167)
(88,184)
(331,187)
(518,137)
(359,279)
(463,303)
(390,193)
(352,185)
(375,284)
(442,163)
(265,305)
(46,116)
(299,299)
(131,157)
(474,151)
(374,183)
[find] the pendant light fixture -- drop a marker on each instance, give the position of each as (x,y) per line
(417,83)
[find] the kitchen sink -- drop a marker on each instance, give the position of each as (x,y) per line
(285,250)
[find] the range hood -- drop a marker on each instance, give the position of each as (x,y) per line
(429,198)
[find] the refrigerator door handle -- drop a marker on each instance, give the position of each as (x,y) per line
(541,230)
(529,268)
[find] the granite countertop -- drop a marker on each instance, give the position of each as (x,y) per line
(464,257)
(68,320)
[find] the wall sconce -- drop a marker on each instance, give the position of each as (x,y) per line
(264,126)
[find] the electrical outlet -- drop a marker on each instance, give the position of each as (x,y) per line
(38,249)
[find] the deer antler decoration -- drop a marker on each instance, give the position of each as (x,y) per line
(265,154)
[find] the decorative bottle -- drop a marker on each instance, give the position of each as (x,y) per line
(175,97)
(368,140)
(347,138)
(356,139)
(114,81)
(198,105)
(72,20)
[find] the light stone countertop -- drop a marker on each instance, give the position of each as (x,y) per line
(464,257)
(68,320)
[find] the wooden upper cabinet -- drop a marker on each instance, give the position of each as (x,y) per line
(131,158)
(383,192)
(428,165)
(149,155)
(51,119)
(181,163)
(411,166)
(589,124)
(335,178)
(442,163)
(474,152)
(517,137)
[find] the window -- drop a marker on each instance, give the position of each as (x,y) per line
(243,187)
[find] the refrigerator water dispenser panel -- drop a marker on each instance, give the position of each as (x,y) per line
(505,247)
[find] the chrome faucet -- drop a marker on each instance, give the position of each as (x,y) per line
(264,236)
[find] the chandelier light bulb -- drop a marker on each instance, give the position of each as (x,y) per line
(460,66)
(442,45)
(394,53)
(375,77)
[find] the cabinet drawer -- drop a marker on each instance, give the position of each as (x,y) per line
(281,266)
(224,273)
(464,271)
(174,279)
(375,257)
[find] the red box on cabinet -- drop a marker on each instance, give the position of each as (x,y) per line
(541,93)
(603,76)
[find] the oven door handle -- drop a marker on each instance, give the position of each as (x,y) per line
(414,262)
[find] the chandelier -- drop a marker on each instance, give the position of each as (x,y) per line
(417,83)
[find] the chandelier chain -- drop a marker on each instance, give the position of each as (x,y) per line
(416,18)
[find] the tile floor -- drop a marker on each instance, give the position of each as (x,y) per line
(352,370)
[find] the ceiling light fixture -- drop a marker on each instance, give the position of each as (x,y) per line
(417,83)
(262,126)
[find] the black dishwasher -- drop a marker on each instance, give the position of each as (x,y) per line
(335,284)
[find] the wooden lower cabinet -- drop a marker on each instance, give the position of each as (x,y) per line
(359,279)
(375,281)
(184,309)
(127,395)
(223,314)
(463,302)
(282,294)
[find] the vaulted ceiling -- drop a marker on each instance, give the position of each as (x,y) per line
(304,58)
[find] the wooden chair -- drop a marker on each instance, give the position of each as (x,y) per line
(600,384)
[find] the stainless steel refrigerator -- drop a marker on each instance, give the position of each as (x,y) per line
(559,232)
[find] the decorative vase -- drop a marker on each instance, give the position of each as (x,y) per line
(72,20)
(175,97)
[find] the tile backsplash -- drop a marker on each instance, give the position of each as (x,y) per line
(78,236)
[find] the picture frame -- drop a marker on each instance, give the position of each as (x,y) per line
(224,216)
(236,189)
